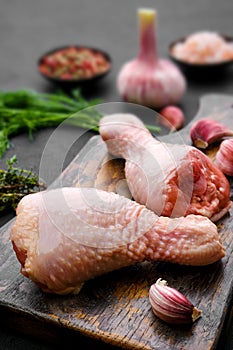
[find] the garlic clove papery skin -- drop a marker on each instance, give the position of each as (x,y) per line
(207,131)
(224,157)
(172,117)
(170,305)
(147,79)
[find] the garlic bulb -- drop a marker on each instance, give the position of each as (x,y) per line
(170,305)
(147,79)
(224,157)
(207,131)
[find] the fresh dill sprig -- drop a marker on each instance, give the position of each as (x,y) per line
(28,111)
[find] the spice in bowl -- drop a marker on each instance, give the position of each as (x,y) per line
(74,63)
(203,47)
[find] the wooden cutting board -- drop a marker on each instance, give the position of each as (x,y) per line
(114,309)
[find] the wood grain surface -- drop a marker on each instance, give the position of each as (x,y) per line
(114,308)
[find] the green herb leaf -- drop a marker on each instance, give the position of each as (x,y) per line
(27,110)
(15,183)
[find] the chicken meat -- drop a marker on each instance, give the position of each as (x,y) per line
(64,237)
(170,179)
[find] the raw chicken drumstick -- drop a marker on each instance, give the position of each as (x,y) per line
(67,236)
(171,180)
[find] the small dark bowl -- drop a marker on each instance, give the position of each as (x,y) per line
(201,69)
(71,83)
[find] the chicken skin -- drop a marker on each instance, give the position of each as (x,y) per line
(64,237)
(170,179)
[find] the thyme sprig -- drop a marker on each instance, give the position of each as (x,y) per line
(15,183)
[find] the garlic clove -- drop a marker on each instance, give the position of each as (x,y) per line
(207,131)
(224,157)
(172,117)
(170,305)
